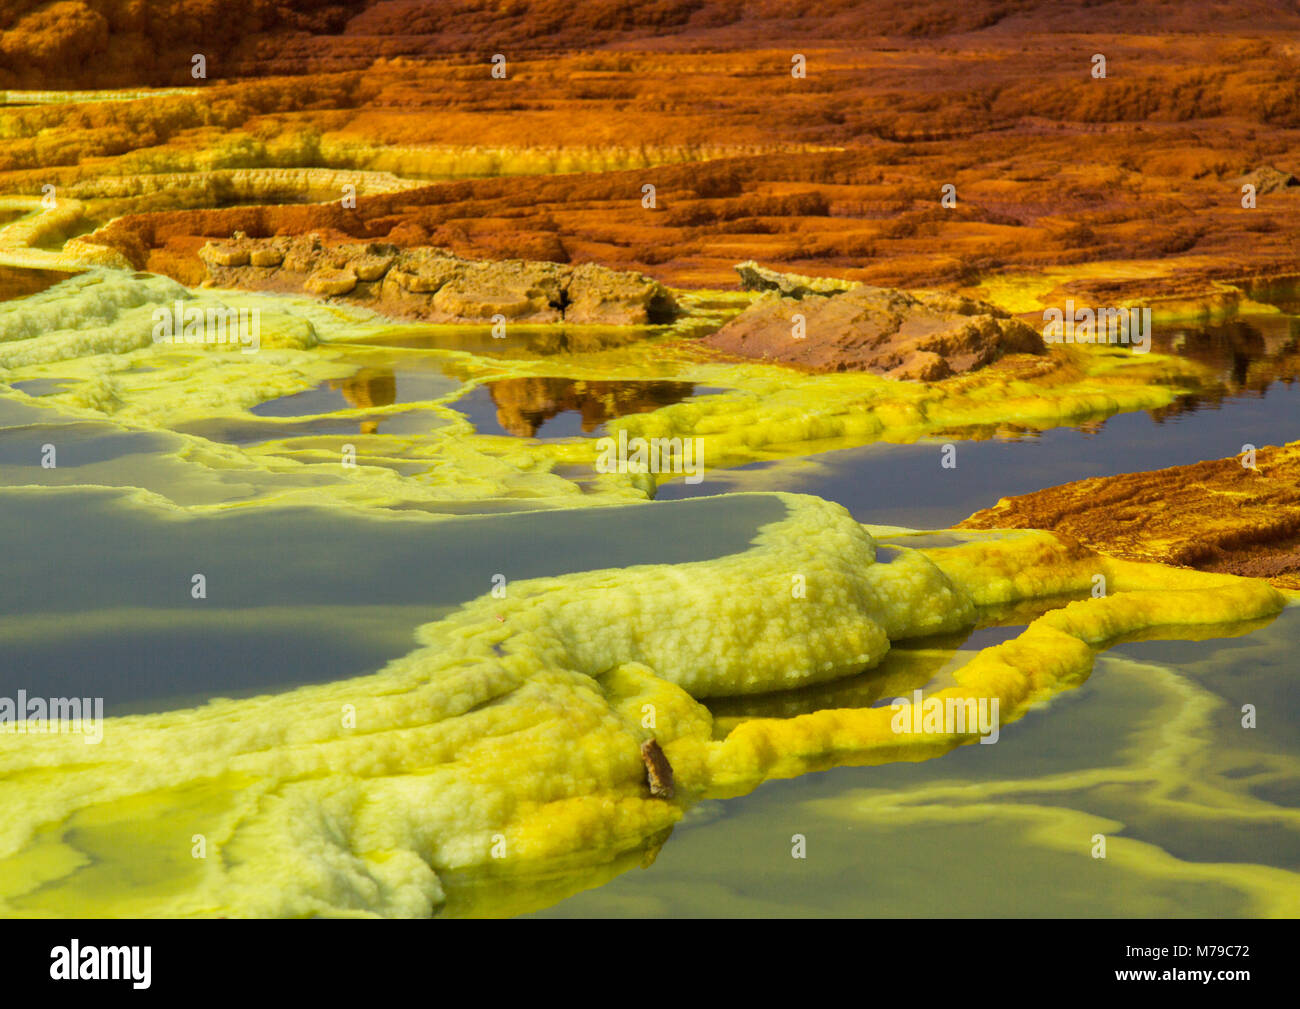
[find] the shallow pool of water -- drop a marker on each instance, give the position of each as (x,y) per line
(1149,753)
(98,594)
(563,407)
(909,485)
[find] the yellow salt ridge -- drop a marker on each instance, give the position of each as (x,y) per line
(510,740)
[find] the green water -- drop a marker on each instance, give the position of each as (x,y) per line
(1150,753)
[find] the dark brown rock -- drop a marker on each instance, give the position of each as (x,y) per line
(659,773)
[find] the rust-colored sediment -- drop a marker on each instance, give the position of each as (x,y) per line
(1128,187)
(1215,516)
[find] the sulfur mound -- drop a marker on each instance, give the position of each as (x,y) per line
(435,285)
(824,327)
(109,312)
(1218,515)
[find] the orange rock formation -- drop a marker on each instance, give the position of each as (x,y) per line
(1219,515)
(926,337)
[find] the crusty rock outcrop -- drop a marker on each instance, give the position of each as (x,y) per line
(1268,179)
(922,336)
(1219,515)
(435,285)
(791,285)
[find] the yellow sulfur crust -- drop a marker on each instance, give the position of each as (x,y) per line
(508,744)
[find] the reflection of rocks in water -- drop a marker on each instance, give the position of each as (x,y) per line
(18,282)
(565,340)
(523,341)
(369,387)
(525,404)
(1246,356)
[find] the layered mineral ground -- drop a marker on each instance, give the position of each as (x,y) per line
(1063,183)
(1240,515)
(341,310)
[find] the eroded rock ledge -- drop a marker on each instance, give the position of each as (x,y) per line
(830,326)
(435,285)
(1218,515)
